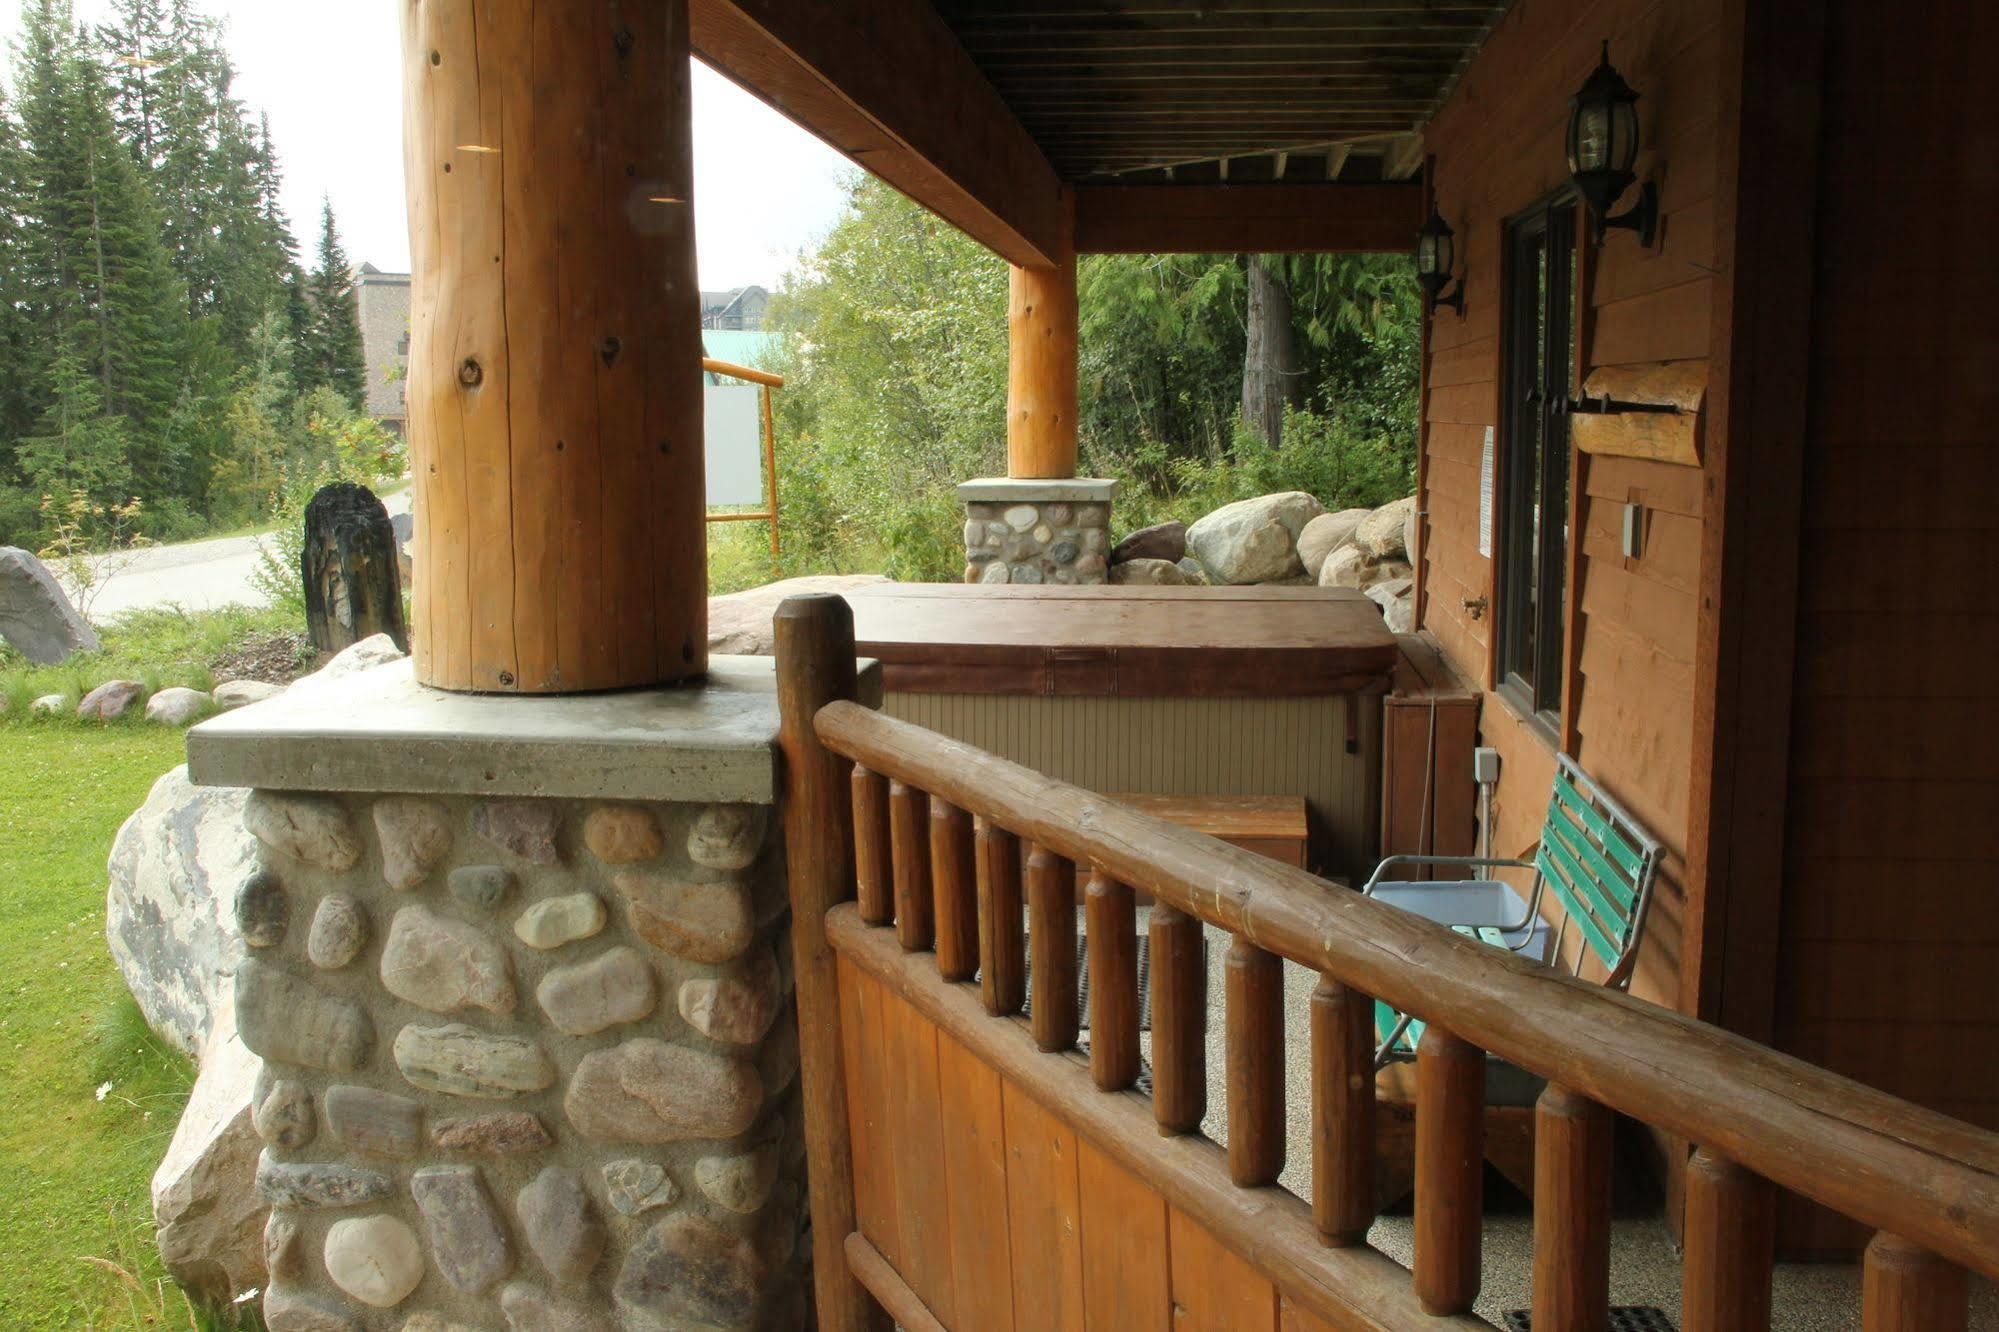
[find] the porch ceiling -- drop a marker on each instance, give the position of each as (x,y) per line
(1223,90)
(1003,115)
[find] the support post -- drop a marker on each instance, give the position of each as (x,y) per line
(1041,370)
(554,376)
(815,666)
(1730,1229)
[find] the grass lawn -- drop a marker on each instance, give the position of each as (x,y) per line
(88,1098)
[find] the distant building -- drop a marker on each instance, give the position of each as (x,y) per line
(740,310)
(385,342)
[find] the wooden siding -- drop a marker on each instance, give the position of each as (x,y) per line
(1498,148)
(1889,937)
(1174,746)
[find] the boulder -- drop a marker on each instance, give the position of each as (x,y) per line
(1396,597)
(110,700)
(1161,541)
(1326,534)
(1348,566)
(35,616)
(1253,540)
(170,913)
(210,1218)
(739,624)
(362,656)
(1196,576)
(1148,573)
(241,693)
(49,705)
(1381,534)
(178,706)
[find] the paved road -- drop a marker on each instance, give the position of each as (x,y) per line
(196,575)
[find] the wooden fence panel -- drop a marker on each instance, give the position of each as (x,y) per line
(974,1168)
(923,1214)
(1214,1290)
(1125,1254)
(1044,1215)
(867,1110)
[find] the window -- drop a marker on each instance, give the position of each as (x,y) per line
(1538,353)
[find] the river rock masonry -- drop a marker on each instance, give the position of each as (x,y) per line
(492,1085)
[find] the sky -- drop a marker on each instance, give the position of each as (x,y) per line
(764,189)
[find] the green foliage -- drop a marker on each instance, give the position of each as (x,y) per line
(145,270)
(330,352)
(327,441)
(896,388)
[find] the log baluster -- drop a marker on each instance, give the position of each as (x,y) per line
(1254,1044)
(1051,932)
(1450,1170)
(1002,931)
(1572,1162)
(915,926)
(1906,1288)
(955,880)
(1730,1237)
(1342,1113)
(1111,927)
(1179,1021)
(874,876)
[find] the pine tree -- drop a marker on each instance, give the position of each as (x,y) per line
(330,355)
(99,283)
(137,48)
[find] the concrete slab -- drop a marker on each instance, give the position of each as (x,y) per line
(379,730)
(1013,490)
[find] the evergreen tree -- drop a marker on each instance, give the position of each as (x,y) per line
(330,354)
(79,450)
(136,46)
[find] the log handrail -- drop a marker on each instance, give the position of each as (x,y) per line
(1926,1179)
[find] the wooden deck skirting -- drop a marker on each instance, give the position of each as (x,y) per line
(1268,1227)
(1895,1167)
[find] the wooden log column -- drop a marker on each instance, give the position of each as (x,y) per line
(1041,367)
(554,373)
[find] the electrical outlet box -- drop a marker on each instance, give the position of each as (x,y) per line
(1485,766)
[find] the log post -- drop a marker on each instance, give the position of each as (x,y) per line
(554,373)
(815,665)
(1041,369)
(1572,1164)
(1906,1288)
(1450,1171)
(1342,1112)
(1730,1229)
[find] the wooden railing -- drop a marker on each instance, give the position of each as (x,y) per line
(936,838)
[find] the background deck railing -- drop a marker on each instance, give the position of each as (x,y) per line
(937,840)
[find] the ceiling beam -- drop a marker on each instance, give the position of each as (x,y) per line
(1246,219)
(889,86)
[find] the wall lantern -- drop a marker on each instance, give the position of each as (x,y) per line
(1436,256)
(1603,150)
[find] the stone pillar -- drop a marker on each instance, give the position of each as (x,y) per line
(519,975)
(1037,531)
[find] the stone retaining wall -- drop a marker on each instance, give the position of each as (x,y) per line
(528,1063)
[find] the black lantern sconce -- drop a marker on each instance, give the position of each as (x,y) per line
(1436,257)
(1603,152)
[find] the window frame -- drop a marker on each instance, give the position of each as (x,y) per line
(1537,356)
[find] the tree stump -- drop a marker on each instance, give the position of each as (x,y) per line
(353,589)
